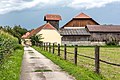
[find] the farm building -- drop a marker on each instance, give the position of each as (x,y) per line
(104,33)
(81,30)
(74,32)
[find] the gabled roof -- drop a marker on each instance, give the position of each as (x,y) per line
(52,17)
(81,15)
(103,28)
(69,32)
(25,35)
(45,26)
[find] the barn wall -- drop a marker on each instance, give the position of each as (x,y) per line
(104,36)
(75,38)
(80,23)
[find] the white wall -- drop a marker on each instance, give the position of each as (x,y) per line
(51,36)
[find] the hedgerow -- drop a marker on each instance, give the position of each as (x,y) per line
(7,44)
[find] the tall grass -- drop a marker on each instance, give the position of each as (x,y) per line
(10,57)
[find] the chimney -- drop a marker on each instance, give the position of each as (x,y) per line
(53,19)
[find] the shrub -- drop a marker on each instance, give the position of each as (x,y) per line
(7,43)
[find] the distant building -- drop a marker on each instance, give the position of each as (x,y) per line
(81,30)
(103,33)
(74,32)
(53,19)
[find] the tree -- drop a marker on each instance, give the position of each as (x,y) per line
(36,39)
(16,31)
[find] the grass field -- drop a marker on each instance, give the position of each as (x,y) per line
(10,67)
(110,54)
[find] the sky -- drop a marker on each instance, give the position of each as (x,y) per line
(30,13)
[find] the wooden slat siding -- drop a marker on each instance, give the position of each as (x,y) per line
(65,52)
(58,49)
(97,63)
(53,48)
(49,47)
(75,55)
(80,23)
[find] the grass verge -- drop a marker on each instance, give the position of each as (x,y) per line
(10,68)
(80,73)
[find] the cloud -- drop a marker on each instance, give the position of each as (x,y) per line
(88,4)
(7,6)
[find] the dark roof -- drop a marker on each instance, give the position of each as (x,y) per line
(52,17)
(81,15)
(74,32)
(103,28)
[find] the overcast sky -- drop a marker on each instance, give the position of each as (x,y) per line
(30,13)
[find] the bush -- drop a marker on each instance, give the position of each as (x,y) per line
(7,44)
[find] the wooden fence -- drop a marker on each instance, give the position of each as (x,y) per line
(51,48)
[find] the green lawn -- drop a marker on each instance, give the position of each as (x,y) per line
(10,67)
(79,72)
(110,54)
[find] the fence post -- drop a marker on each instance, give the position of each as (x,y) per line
(41,45)
(58,49)
(97,63)
(53,47)
(65,53)
(75,55)
(44,46)
(49,47)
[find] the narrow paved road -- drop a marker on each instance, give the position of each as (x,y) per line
(35,66)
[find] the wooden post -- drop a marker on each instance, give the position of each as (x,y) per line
(44,46)
(75,55)
(97,63)
(65,53)
(53,47)
(49,47)
(58,49)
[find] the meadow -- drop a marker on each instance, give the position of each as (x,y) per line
(107,53)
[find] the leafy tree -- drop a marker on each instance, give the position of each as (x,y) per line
(16,31)
(36,39)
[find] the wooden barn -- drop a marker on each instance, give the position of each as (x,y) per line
(74,32)
(104,33)
(80,20)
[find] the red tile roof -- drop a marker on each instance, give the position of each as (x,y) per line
(103,28)
(25,35)
(82,15)
(52,17)
(45,26)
